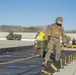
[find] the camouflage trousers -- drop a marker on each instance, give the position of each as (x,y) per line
(53,42)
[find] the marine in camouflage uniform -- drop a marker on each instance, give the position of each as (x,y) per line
(68,39)
(54,31)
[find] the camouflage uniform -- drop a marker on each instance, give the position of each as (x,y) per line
(54,31)
(68,39)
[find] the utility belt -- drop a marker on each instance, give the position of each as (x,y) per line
(54,37)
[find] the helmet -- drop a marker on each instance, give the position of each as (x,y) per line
(59,20)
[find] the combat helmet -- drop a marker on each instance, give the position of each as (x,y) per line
(59,20)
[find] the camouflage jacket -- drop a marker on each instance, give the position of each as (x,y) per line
(54,31)
(68,38)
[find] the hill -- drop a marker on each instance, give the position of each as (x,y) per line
(6,28)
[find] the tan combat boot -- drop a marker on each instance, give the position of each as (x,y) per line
(45,63)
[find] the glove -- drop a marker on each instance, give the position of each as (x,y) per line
(46,41)
(63,43)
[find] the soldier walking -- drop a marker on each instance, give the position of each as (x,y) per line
(68,39)
(54,31)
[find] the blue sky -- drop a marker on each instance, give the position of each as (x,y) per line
(38,12)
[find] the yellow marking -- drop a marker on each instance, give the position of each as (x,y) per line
(68,59)
(65,60)
(46,72)
(75,55)
(18,60)
(71,57)
(73,46)
(52,65)
(61,64)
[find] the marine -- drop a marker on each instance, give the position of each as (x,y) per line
(67,41)
(53,32)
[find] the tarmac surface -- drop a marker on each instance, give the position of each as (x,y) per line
(16,64)
(22,63)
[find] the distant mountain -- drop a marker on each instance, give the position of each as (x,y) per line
(6,28)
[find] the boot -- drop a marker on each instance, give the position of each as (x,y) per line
(45,63)
(56,63)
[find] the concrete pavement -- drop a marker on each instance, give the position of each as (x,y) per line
(12,43)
